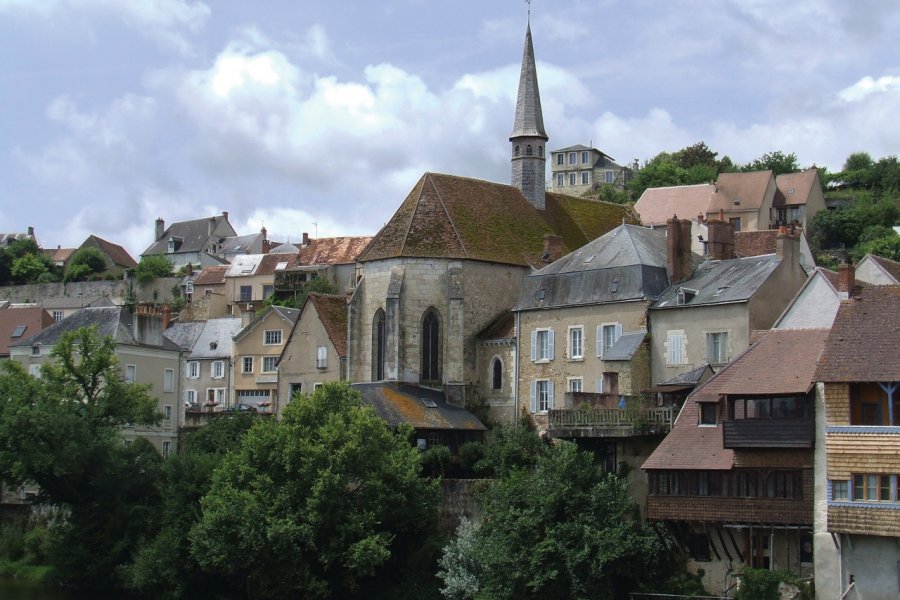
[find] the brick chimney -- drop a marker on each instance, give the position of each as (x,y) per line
(787,246)
(720,234)
(166,317)
(846,280)
(678,249)
(553,248)
(225,214)
(160,228)
(305,239)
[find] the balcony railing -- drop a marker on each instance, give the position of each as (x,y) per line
(611,422)
(768,433)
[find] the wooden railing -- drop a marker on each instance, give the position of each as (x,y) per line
(641,418)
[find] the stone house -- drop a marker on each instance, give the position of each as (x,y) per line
(250,279)
(117,258)
(579,169)
(145,356)
(257,348)
(743,199)
(208,374)
(207,295)
(332,258)
(734,477)
(200,242)
(798,197)
(857,457)
(316,348)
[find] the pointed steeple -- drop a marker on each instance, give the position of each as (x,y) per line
(528,136)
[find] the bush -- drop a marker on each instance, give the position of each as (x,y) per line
(152,267)
(762,584)
(37,542)
(12,539)
(436,459)
(469,455)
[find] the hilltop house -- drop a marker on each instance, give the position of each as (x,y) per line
(200,243)
(579,169)
(208,374)
(117,258)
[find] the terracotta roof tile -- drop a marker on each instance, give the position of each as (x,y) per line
(863,341)
(269,263)
(747,188)
(658,205)
(333,251)
(12,320)
(794,188)
(117,253)
(212,275)
(332,311)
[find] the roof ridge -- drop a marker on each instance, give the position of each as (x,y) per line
(412,217)
(450,219)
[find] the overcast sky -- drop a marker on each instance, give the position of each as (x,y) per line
(292,113)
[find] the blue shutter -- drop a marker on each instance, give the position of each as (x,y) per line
(534,396)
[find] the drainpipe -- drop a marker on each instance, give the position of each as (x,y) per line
(516,375)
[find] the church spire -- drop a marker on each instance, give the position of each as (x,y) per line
(528,137)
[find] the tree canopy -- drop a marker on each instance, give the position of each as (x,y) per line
(85,262)
(151,267)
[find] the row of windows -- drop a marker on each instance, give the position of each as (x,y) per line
(736,484)
(269,364)
(542,390)
(543,341)
(573,157)
(718,348)
(867,487)
(216,369)
(529,151)
(246,292)
(214,397)
(563,179)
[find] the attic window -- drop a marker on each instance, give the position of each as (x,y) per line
(246,270)
(790,191)
(684,296)
(281,266)
(720,290)
(18,331)
(213,345)
(428,403)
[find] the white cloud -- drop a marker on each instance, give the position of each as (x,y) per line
(867,86)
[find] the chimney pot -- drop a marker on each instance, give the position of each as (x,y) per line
(225,214)
(678,249)
(160,228)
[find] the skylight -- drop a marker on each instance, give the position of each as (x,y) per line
(428,403)
(18,331)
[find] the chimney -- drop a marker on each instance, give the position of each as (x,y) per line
(212,226)
(846,280)
(265,241)
(225,214)
(160,228)
(678,249)
(166,317)
(553,248)
(721,239)
(30,231)
(787,246)
(305,239)
(189,269)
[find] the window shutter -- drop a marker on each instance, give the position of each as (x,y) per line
(551,343)
(676,349)
(599,340)
(618,331)
(600,385)
(533,345)
(534,396)
(549,395)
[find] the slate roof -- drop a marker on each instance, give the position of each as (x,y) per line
(529,120)
(288,314)
(194,235)
(782,361)
(116,253)
(446,216)
(722,282)
(625,347)
(8,238)
(863,341)
(184,335)
(332,311)
(658,205)
(76,302)
(402,403)
(285,248)
(794,188)
(627,263)
(242,244)
(111,321)
(683,380)
(218,332)
(747,188)
(334,250)
(23,323)
(211,275)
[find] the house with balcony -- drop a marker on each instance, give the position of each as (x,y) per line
(250,279)
(857,502)
(316,348)
(208,374)
(798,197)
(579,169)
(734,477)
(257,348)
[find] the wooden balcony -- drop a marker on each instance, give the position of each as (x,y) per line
(609,422)
(768,433)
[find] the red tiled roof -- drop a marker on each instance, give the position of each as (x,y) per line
(782,361)
(333,251)
(212,275)
(794,188)
(34,319)
(116,253)
(445,216)
(269,262)
(59,254)
(892,267)
(332,311)
(658,205)
(747,188)
(863,341)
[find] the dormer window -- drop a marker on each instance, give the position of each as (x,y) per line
(684,295)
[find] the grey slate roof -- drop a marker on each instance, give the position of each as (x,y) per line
(627,263)
(184,335)
(529,116)
(288,314)
(246,244)
(689,378)
(114,321)
(403,403)
(194,235)
(625,347)
(218,333)
(722,282)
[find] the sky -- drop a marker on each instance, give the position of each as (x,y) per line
(320,117)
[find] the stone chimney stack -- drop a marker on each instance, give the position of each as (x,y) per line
(305,239)
(160,228)
(678,249)
(720,234)
(225,214)
(30,231)
(211,226)
(553,248)
(846,280)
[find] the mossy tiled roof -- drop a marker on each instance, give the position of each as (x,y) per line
(332,312)
(445,216)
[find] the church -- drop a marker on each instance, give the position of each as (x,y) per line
(435,286)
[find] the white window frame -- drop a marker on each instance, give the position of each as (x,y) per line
(35,370)
(573,179)
(58,316)
(609,177)
(270,361)
(560,180)
(561,158)
(190,396)
(541,395)
(193,369)
(585,178)
(217,369)
(246,360)
(132,378)
(218,396)
(724,347)
(601,337)
(168,380)
(575,382)
(573,158)
(168,413)
(271,335)
(585,157)
(321,357)
(540,352)
(166,448)
(676,348)
(575,350)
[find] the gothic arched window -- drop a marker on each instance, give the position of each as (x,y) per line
(378,344)
(431,346)
(528,150)
(517,149)
(540,151)
(496,374)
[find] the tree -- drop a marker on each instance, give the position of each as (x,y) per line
(885,247)
(778,162)
(319,285)
(27,268)
(317,503)
(561,530)
(151,267)
(84,263)
(62,432)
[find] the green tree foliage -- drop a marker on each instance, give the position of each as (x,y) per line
(561,530)
(23,262)
(691,165)
(844,227)
(318,285)
(886,247)
(62,432)
(27,269)
(316,504)
(778,162)
(152,267)
(84,263)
